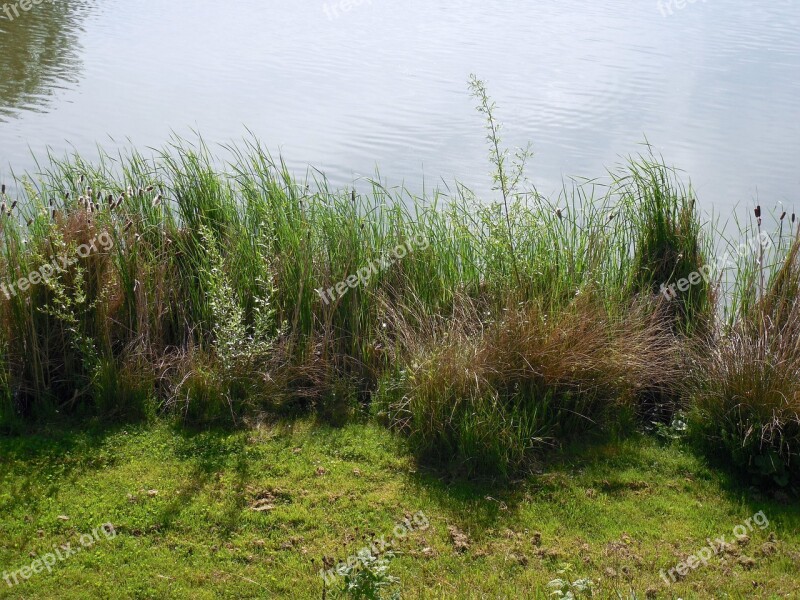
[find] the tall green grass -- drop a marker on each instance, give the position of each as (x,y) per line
(524,322)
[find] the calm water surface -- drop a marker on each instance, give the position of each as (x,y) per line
(714,87)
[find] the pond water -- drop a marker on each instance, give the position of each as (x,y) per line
(351,85)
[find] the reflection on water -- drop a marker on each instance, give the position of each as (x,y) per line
(348,86)
(39,53)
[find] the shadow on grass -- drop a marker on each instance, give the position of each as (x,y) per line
(617,467)
(211,452)
(47,458)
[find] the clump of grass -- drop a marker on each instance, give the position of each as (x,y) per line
(745,386)
(669,242)
(491,394)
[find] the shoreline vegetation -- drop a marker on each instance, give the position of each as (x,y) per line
(517,326)
(504,334)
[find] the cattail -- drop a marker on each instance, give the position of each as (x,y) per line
(558,213)
(758,211)
(66,195)
(128,225)
(149,189)
(353,196)
(3,207)
(141,192)
(53,214)
(30,222)
(611,217)
(3,189)
(81,179)
(793,217)
(110,200)
(89,191)
(157,200)
(783,215)
(759,221)
(130,191)
(50,201)
(13,205)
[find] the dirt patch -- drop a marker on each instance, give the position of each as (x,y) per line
(459,539)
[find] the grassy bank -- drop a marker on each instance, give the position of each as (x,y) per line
(270,375)
(489,332)
(252,514)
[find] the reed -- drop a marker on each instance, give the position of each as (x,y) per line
(522,323)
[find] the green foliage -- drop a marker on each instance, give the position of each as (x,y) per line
(199,536)
(367,579)
(522,323)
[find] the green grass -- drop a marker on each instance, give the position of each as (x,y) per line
(616,514)
(521,325)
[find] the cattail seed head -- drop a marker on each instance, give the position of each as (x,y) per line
(783,215)
(758,211)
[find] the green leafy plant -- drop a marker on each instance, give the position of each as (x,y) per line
(367,579)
